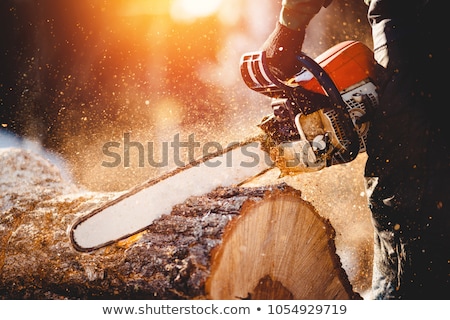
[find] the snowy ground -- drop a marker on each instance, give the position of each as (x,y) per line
(10,140)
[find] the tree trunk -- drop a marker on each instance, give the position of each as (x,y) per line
(233,243)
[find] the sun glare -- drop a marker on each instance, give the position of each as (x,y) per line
(187,10)
(143,7)
(179,10)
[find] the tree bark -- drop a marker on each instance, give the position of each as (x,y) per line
(233,243)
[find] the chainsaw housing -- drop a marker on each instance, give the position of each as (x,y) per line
(320,117)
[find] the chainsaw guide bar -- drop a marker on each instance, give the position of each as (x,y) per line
(134,210)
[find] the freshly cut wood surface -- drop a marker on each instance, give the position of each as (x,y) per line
(278,248)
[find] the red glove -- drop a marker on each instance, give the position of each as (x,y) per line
(282,48)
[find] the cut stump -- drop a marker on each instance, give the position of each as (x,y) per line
(278,248)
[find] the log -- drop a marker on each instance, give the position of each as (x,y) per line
(278,248)
(233,243)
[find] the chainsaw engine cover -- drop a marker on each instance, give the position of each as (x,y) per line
(320,116)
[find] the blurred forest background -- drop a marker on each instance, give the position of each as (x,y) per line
(76,74)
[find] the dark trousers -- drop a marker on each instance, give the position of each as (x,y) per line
(407,172)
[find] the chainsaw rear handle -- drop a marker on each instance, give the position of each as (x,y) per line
(257,75)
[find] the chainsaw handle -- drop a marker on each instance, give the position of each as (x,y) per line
(323,78)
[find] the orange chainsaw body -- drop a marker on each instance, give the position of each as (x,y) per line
(347,63)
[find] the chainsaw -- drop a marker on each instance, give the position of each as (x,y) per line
(320,117)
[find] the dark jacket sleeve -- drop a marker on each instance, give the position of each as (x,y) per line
(296,14)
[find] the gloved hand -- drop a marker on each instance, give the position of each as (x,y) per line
(281,48)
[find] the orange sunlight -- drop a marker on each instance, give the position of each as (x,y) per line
(188,10)
(179,10)
(144,7)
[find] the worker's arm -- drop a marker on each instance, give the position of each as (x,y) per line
(286,40)
(296,14)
